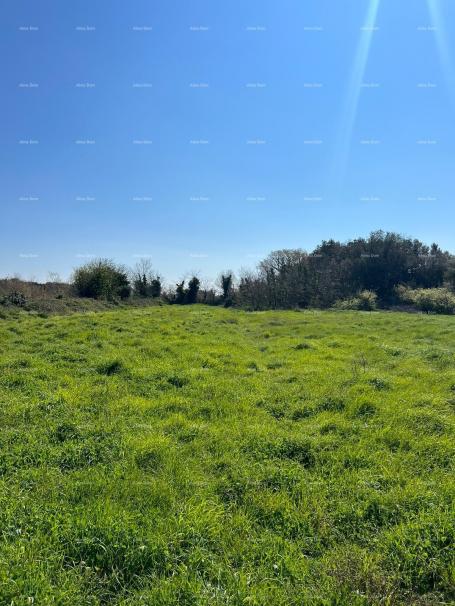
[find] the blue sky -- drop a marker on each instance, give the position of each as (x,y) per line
(205,134)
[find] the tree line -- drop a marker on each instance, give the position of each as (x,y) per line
(104,279)
(336,272)
(382,270)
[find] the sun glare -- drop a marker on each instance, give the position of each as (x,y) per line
(352,98)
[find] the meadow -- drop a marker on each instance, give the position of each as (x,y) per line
(206,456)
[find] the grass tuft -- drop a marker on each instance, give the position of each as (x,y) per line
(197,456)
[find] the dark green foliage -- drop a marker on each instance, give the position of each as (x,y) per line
(180,295)
(14,298)
(155,287)
(382,270)
(226,282)
(140,286)
(192,290)
(101,279)
(146,283)
(334,271)
(186,296)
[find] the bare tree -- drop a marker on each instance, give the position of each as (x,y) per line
(146,282)
(54,277)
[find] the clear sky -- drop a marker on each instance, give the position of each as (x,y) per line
(205,134)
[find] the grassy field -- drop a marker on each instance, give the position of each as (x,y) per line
(202,456)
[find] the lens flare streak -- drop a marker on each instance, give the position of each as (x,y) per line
(353,95)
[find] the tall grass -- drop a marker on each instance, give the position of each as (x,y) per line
(180,456)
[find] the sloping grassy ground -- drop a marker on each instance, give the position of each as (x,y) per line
(47,306)
(201,456)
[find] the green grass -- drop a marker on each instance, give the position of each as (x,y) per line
(202,456)
(46,306)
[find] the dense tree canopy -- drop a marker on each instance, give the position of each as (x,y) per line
(334,271)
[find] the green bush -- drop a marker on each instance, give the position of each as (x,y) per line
(14,298)
(436,300)
(101,279)
(185,296)
(366,300)
(192,290)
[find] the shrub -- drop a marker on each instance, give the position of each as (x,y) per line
(145,282)
(436,300)
(192,290)
(101,279)
(366,300)
(179,297)
(14,298)
(140,286)
(143,287)
(155,287)
(226,282)
(183,295)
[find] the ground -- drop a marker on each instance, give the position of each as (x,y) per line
(203,456)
